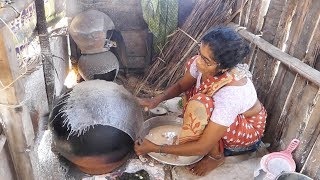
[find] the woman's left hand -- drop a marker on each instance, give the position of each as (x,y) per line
(145,147)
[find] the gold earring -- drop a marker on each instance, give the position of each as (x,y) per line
(224,70)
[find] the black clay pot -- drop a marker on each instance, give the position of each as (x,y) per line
(112,118)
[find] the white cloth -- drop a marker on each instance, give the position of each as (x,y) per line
(194,70)
(230,101)
(195,73)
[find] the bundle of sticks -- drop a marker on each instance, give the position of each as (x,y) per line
(168,66)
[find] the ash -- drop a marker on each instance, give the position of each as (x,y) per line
(48,166)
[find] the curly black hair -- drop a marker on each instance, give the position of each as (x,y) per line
(227,46)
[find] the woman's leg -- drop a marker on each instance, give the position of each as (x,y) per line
(248,132)
(214,159)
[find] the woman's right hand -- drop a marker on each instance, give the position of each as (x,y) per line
(145,147)
(148,103)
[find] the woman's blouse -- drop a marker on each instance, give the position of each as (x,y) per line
(229,101)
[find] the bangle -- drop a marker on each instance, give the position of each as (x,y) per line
(216,158)
(161,153)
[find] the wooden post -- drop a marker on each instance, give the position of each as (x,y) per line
(1,128)
(293,63)
(47,61)
(296,109)
(2,141)
(274,105)
(312,165)
(262,78)
(245,13)
(17,125)
(255,21)
(304,92)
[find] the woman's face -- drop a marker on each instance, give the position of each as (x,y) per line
(205,63)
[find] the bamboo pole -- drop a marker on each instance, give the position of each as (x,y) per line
(292,63)
(47,60)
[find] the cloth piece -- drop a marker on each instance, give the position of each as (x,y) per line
(195,118)
(243,132)
(240,151)
(162,19)
(192,67)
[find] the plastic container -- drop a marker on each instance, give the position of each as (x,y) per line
(273,164)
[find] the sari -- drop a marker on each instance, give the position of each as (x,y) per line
(242,134)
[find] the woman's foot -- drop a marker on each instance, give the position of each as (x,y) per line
(206,165)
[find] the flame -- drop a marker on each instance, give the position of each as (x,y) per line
(71,79)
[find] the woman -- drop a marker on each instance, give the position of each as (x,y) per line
(222,115)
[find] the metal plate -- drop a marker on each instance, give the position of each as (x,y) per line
(159,111)
(167,159)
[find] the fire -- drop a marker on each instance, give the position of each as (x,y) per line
(71,79)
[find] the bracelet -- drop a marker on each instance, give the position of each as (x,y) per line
(161,153)
(216,158)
